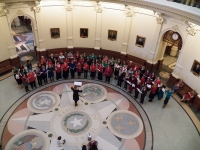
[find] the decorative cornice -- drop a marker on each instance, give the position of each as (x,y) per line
(3,10)
(175,10)
(159,20)
(36,8)
(69,6)
(99,8)
(129,11)
(191,30)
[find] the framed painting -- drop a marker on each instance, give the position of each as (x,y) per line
(140,41)
(55,33)
(112,35)
(195,68)
(84,32)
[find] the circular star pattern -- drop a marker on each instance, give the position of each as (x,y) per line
(107,115)
(43,102)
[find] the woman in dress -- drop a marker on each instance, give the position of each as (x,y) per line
(100,71)
(75,94)
(65,69)
(39,77)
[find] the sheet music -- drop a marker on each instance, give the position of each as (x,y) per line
(139,90)
(133,85)
(78,83)
(163,89)
(148,85)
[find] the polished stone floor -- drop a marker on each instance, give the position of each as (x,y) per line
(172,128)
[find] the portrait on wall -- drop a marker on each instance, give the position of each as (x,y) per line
(83,32)
(140,41)
(55,33)
(112,35)
(195,68)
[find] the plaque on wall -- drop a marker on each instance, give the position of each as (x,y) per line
(195,68)
(84,32)
(140,41)
(112,35)
(55,33)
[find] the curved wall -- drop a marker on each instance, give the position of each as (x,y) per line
(127,21)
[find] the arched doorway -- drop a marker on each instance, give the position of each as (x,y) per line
(170,47)
(171,43)
(23,36)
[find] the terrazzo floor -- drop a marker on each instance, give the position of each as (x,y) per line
(172,128)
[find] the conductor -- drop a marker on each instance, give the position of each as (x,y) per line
(75,94)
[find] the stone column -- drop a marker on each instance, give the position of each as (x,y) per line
(129,13)
(8,35)
(183,53)
(152,59)
(155,44)
(69,8)
(98,27)
(39,30)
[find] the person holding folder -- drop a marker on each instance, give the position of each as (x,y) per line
(75,94)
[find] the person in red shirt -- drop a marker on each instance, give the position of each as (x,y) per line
(58,71)
(65,69)
(81,60)
(77,56)
(153,92)
(132,84)
(32,77)
(157,81)
(43,61)
(93,71)
(79,69)
(108,72)
(67,60)
(100,71)
(142,80)
(85,68)
(136,68)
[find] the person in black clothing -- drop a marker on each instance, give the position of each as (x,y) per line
(143,94)
(75,94)
(121,78)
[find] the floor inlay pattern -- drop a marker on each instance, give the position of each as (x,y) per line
(111,115)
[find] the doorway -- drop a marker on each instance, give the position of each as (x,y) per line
(23,38)
(169,50)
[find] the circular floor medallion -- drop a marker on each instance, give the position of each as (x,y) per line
(43,102)
(93,93)
(25,58)
(29,139)
(125,124)
(76,123)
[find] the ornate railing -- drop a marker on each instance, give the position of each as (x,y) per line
(193,3)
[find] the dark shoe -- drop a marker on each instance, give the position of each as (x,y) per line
(149,100)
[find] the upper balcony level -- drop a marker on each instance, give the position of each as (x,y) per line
(187,10)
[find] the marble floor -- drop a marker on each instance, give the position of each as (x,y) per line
(172,128)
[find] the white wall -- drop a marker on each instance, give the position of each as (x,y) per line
(84,17)
(192,54)
(54,17)
(142,25)
(112,20)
